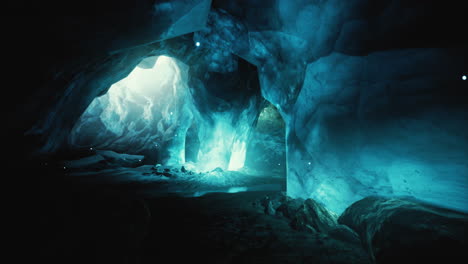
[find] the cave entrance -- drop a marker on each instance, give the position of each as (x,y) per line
(153,112)
(215,124)
(267,146)
(140,114)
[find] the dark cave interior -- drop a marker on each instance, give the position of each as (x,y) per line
(241,131)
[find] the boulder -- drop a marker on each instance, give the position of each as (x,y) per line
(312,216)
(303,215)
(396,230)
(344,233)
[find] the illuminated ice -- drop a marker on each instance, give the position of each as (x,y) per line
(237,189)
(224,144)
(139,111)
(150,111)
(237,159)
(355,152)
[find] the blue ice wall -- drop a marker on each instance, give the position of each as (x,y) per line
(371,94)
(389,124)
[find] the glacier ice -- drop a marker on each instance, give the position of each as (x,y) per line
(223,139)
(364,129)
(151,111)
(137,112)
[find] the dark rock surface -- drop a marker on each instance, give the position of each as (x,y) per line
(100,226)
(303,215)
(344,233)
(408,231)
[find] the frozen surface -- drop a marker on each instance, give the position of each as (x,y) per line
(370,106)
(362,128)
(151,111)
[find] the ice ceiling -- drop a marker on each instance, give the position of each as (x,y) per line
(372,105)
(152,112)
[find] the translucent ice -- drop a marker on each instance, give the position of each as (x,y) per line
(150,111)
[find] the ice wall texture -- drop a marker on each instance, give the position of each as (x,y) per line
(371,94)
(365,128)
(388,122)
(141,113)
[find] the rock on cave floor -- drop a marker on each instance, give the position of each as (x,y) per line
(125,215)
(106,227)
(148,214)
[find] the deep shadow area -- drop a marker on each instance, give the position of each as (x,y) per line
(113,216)
(112,223)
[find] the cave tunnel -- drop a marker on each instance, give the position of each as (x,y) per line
(240,131)
(153,115)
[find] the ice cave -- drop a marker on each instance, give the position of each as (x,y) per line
(240,131)
(152,113)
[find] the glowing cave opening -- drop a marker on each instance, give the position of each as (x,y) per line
(137,113)
(266,150)
(152,112)
(237,159)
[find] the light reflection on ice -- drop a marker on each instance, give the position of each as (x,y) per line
(152,109)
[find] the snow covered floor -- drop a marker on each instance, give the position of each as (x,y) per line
(163,180)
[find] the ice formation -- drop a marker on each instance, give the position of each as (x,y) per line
(150,112)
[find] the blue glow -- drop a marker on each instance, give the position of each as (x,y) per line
(237,189)
(151,110)
(224,143)
(422,155)
(237,155)
(138,111)
(197,43)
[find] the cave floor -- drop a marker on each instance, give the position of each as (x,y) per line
(125,215)
(147,181)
